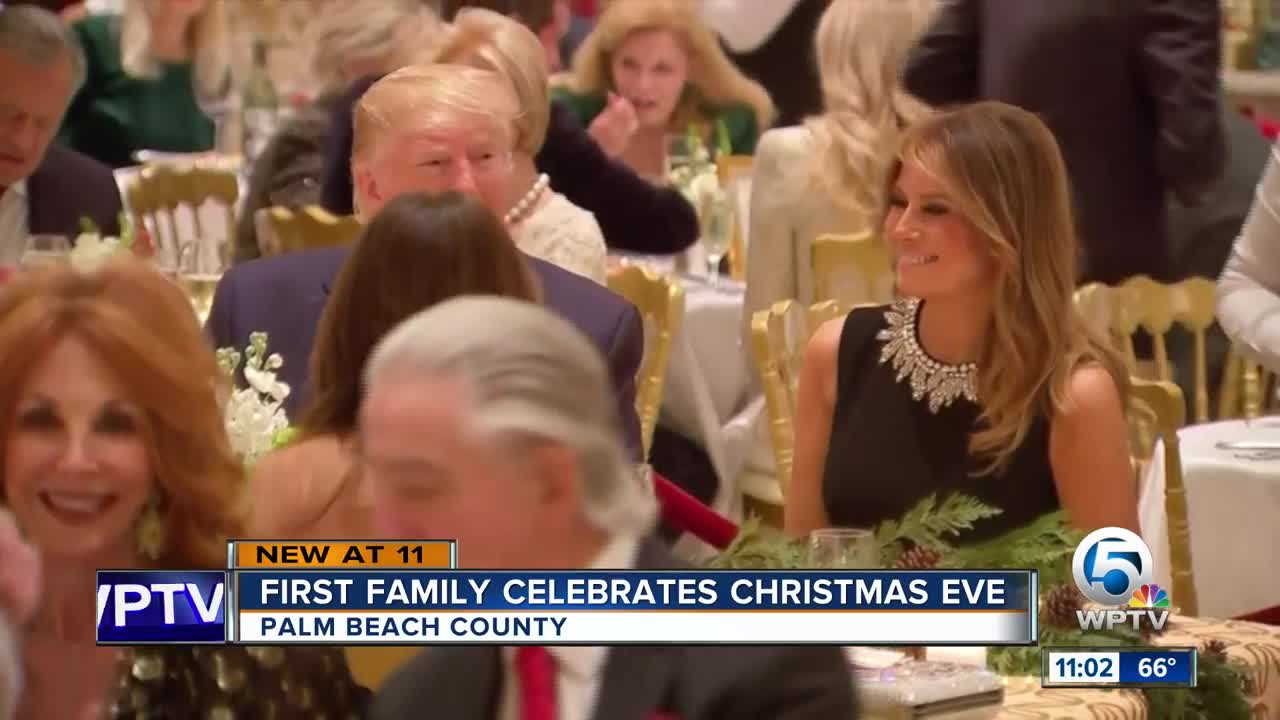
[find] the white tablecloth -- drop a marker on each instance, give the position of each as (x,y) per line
(709,396)
(1234,510)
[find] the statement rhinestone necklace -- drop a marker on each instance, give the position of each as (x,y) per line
(526,203)
(938,383)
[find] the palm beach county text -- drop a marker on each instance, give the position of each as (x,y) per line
(541,607)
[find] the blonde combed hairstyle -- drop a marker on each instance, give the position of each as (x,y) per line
(492,41)
(385,34)
(210,56)
(860,45)
(1004,172)
(433,96)
(711,72)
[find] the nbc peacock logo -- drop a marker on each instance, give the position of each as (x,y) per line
(1150,596)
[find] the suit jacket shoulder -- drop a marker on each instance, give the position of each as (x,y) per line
(68,186)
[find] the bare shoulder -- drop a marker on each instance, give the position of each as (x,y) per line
(1092,400)
(294,482)
(824,344)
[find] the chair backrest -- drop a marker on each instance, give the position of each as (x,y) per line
(852,268)
(157,194)
(1165,408)
(304,229)
(778,339)
(1141,303)
(734,172)
(660,300)
(371,665)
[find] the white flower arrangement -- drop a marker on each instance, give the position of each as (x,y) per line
(255,417)
(92,249)
(698,179)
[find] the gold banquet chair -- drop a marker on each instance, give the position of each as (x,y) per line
(854,268)
(158,192)
(371,665)
(732,170)
(660,300)
(779,336)
(1160,405)
(1141,303)
(282,230)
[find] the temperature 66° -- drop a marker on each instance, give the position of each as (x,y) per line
(1155,667)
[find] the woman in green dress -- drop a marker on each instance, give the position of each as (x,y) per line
(651,69)
(148,72)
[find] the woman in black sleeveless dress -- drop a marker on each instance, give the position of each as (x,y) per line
(982,379)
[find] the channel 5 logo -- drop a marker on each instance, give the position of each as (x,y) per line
(1112,567)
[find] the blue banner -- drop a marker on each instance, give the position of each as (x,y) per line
(138,607)
(1170,666)
(995,591)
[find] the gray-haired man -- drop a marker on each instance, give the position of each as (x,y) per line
(44,188)
(491,421)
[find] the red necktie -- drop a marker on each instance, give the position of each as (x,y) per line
(536,670)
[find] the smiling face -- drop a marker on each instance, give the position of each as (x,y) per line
(76,468)
(33,98)
(937,251)
(650,69)
(473,159)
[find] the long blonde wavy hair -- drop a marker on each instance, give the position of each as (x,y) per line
(860,45)
(210,55)
(711,73)
(1004,172)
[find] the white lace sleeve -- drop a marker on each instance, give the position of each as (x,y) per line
(564,234)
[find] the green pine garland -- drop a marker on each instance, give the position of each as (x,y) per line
(1046,545)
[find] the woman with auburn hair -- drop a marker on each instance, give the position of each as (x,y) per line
(148,72)
(826,176)
(649,69)
(983,379)
(417,251)
(115,456)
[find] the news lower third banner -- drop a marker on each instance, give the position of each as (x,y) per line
(401,606)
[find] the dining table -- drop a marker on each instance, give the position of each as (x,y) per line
(1231,472)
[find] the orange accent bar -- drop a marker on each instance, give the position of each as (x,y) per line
(368,554)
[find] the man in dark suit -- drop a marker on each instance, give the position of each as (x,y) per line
(543,486)
(44,189)
(1130,89)
(284,295)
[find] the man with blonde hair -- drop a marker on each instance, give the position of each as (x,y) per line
(422,129)
(489,420)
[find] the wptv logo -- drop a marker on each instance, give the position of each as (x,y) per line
(1113,568)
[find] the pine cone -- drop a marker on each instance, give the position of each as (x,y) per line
(918,557)
(1216,648)
(1060,605)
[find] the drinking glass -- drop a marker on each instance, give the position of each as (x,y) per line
(717,228)
(843,548)
(45,249)
(679,153)
(199,282)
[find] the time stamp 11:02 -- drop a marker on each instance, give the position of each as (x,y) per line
(1119,667)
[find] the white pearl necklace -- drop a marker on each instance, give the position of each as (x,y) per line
(526,203)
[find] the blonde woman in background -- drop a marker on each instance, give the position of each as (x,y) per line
(347,40)
(983,379)
(543,222)
(826,176)
(149,72)
(653,68)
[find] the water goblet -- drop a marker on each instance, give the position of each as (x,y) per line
(843,549)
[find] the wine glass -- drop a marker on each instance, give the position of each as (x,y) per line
(199,283)
(45,249)
(679,153)
(717,228)
(843,549)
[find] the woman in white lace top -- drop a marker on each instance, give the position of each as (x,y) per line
(543,223)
